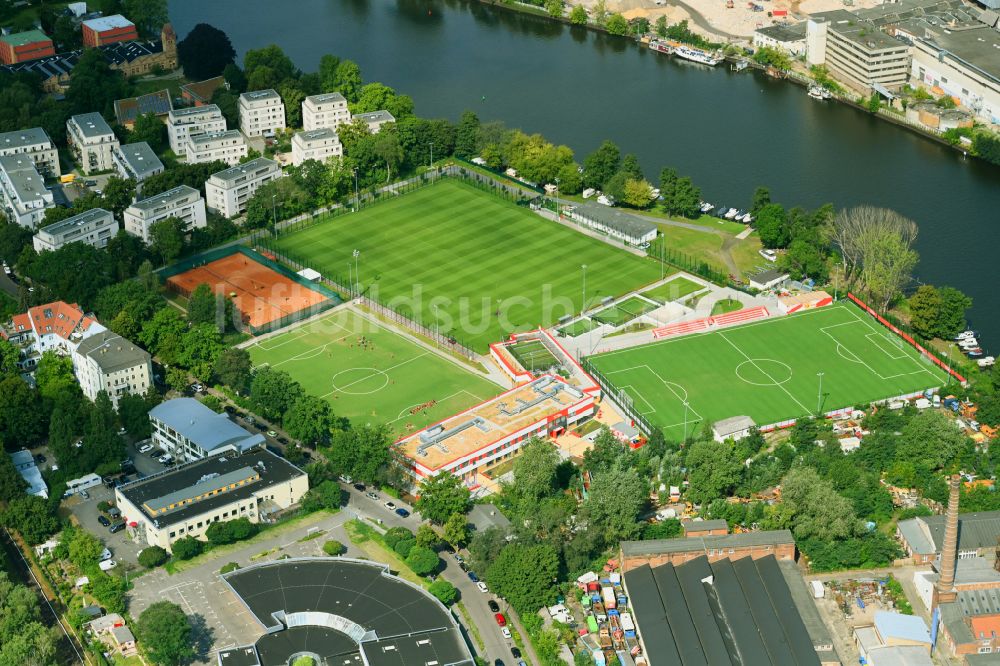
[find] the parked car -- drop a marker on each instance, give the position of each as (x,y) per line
(505,632)
(165,459)
(515,652)
(391,506)
(472,576)
(84,494)
(371,495)
(197,388)
(498,662)
(360,487)
(104,521)
(117,527)
(345,479)
(501,620)
(271,433)
(283,439)
(107,565)
(229,409)
(482,587)
(122,431)
(402,513)
(105,555)
(145,448)
(494,606)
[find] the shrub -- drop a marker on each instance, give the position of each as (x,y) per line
(230,531)
(231,566)
(445,592)
(422,560)
(104,506)
(396,534)
(186,548)
(404,547)
(153,556)
(333,548)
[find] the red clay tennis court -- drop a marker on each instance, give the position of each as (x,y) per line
(261,294)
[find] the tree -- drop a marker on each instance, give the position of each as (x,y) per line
(326,495)
(456,531)
(687,198)
(273,392)
(378,96)
(600,12)
(930,440)
(600,165)
(11,483)
(443,591)
(309,419)
(466,135)
(272,57)
(876,246)
(228,103)
(422,560)
(951,317)
(636,193)
(148,15)
(812,508)
(394,535)
(772,226)
(120,192)
(485,546)
(614,502)
(187,547)
(153,556)
(605,454)
(201,307)
(363,452)
(524,574)
(292,96)
(713,471)
(94,86)
(761,198)
(205,52)
(348,79)
(200,347)
(9,356)
(30,515)
(84,548)
(616,24)
(165,634)
(427,537)
(231,531)
(333,548)
(233,368)
(441,496)
(167,238)
(21,413)
(554,8)
(55,379)
(535,471)
(804,259)
(925,308)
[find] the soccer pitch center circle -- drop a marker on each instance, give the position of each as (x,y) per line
(764,372)
(360,381)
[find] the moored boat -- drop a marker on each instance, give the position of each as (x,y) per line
(697,55)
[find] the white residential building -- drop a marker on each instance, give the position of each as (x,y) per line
(136,161)
(229,146)
(228,191)
(93,227)
(326,110)
(374,120)
(182,123)
(91,141)
(183,202)
(36,144)
(108,362)
(318,144)
(23,195)
(262,113)
(54,327)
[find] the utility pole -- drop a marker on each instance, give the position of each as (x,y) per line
(819,398)
(357,201)
(274,217)
(357,276)
(431,165)
(686,406)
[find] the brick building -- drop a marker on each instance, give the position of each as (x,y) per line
(108,30)
(779,543)
(24,46)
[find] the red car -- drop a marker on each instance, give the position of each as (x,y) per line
(501,620)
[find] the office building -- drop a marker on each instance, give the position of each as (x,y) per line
(856,52)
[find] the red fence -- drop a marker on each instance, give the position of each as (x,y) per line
(906,336)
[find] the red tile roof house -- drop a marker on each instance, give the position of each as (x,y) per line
(57,327)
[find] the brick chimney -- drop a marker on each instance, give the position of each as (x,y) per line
(945,591)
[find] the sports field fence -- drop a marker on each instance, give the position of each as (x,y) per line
(622,400)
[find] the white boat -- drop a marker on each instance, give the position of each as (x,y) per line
(706,207)
(731,213)
(819,92)
(745,219)
(660,47)
(697,55)
(985,362)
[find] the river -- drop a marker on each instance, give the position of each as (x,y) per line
(729,131)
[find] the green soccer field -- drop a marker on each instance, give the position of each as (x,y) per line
(454,256)
(371,374)
(768,370)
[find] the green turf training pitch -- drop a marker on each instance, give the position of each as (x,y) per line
(468,250)
(371,374)
(677,288)
(625,311)
(578,327)
(768,370)
(532,355)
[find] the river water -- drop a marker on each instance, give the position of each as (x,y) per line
(730,132)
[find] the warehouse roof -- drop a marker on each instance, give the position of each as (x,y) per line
(718,613)
(904,627)
(705,543)
(732,425)
(783,32)
(975,530)
(628,224)
(196,422)
(112,22)
(704,525)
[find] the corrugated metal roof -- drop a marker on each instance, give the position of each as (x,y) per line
(647,603)
(705,543)
(906,627)
(975,530)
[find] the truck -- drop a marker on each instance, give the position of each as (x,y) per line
(817,589)
(628,626)
(951,402)
(608,595)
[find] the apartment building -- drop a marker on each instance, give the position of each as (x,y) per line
(36,144)
(182,123)
(318,144)
(374,120)
(91,141)
(163,508)
(108,362)
(228,191)
(23,195)
(262,113)
(183,202)
(326,110)
(108,30)
(229,146)
(136,161)
(54,327)
(856,52)
(93,227)
(25,46)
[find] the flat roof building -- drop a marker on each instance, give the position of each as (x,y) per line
(227,192)
(182,123)
(328,110)
(23,194)
(318,144)
(655,552)
(185,501)
(613,222)
(189,430)
(108,362)
(91,141)
(183,202)
(93,227)
(227,146)
(965,64)
(374,120)
(25,46)
(262,113)
(788,37)
(36,144)
(108,30)
(856,52)
(136,161)
(735,428)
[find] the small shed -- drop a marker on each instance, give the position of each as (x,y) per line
(768,279)
(735,428)
(627,434)
(700,528)
(310,274)
(485,516)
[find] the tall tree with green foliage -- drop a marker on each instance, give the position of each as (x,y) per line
(205,52)
(441,496)
(164,631)
(362,451)
(578,15)
(616,24)
(616,498)
(273,392)
(525,576)
(233,368)
(600,165)
(309,419)
(713,471)
(167,238)
(201,305)
(811,507)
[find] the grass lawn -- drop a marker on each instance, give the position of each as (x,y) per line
(532,354)
(726,305)
(578,327)
(366,538)
(454,256)
(370,374)
(627,310)
(768,370)
(674,290)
